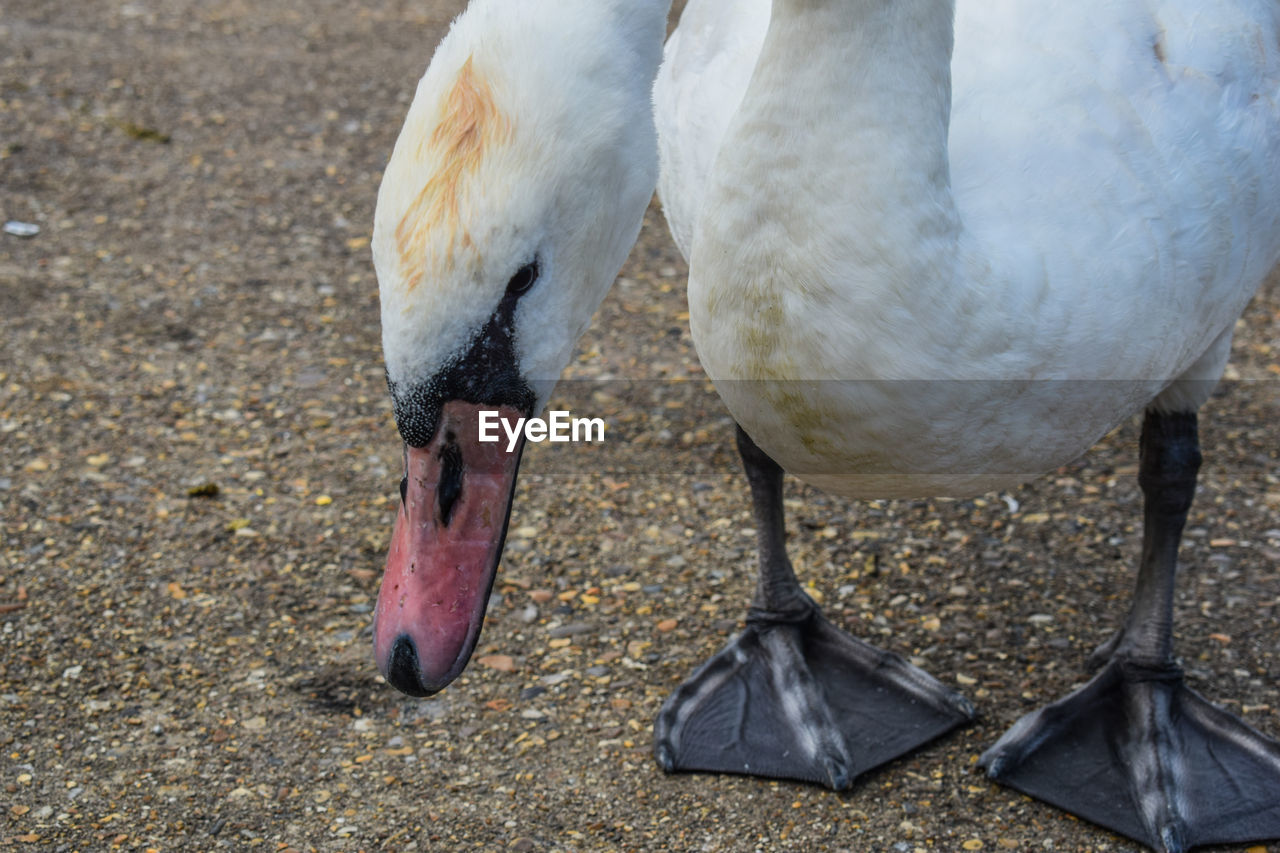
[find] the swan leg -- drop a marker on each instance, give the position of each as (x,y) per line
(792,696)
(1135,749)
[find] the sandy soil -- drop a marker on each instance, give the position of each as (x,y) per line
(199,474)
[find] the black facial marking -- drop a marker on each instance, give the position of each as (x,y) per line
(450,488)
(486,374)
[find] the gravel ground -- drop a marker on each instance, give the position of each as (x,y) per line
(199,478)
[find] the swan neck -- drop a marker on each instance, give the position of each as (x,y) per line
(849,107)
(908,34)
(877,66)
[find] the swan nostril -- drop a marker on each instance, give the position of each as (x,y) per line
(402,669)
(450,488)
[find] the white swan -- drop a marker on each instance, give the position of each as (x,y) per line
(897,292)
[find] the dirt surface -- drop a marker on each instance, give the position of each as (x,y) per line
(199,475)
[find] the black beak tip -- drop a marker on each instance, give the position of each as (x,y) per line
(403,672)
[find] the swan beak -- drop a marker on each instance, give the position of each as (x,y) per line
(456,499)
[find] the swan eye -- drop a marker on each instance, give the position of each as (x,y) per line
(524,279)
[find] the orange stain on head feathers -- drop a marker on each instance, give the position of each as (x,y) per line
(470,124)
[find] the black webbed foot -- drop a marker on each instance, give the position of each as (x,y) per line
(1135,749)
(796,698)
(1139,752)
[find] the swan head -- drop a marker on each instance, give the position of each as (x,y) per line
(512,197)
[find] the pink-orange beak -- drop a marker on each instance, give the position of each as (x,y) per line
(444,551)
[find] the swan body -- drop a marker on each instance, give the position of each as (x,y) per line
(891,306)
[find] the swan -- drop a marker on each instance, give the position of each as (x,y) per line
(911,274)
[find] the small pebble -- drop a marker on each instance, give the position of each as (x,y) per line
(21,229)
(502,663)
(571,630)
